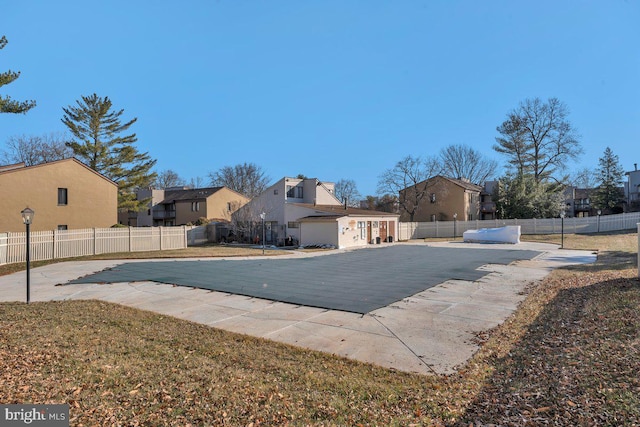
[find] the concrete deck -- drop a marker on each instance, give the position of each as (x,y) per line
(430,332)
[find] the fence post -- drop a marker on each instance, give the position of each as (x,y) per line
(95,241)
(184,229)
(53,242)
(161,237)
(130,245)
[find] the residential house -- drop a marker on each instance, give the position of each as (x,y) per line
(64,194)
(181,205)
(578,202)
(632,189)
(305,210)
(443,199)
(487,204)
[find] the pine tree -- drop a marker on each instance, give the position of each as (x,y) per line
(609,194)
(520,196)
(97,129)
(8,105)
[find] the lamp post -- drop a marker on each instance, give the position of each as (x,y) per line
(262,216)
(599,213)
(562,214)
(27,218)
(455,223)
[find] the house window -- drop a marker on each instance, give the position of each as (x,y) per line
(432,197)
(292,224)
(62,196)
(289,191)
(195,206)
(275,191)
(228,206)
(148,211)
(62,227)
(299,192)
(362,226)
(433,217)
(470,217)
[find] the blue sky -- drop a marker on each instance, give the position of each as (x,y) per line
(328,89)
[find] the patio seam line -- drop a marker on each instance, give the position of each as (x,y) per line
(422,362)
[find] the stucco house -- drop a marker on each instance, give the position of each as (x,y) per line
(441,199)
(180,206)
(306,210)
(64,194)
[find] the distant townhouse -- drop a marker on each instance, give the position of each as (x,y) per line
(632,189)
(443,199)
(180,206)
(64,194)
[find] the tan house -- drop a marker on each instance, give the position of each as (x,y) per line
(64,194)
(442,199)
(180,206)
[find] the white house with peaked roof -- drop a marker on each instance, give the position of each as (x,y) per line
(306,210)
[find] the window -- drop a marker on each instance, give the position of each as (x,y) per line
(62,227)
(228,206)
(432,197)
(292,224)
(289,191)
(62,196)
(362,226)
(470,217)
(299,192)
(195,206)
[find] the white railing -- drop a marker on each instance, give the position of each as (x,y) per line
(593,224)
(55,244)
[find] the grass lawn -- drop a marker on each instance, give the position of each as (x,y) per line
(569,356)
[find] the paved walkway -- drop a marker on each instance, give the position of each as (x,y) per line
(430,331)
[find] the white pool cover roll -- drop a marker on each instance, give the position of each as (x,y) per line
(508,234)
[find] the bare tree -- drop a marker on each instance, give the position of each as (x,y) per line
(34,150)
(346,189)
(584,178)
(538,139)
(167,178)
(463,162)
(407,179)
(196,182)
(247,179)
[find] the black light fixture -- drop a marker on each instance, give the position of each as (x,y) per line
(455,223)
(562,215)
(27,218)
(263,216)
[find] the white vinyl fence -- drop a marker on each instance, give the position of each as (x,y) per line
(92,241)
(593,224)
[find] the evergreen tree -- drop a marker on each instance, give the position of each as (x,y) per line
(98,143)
(609,194)
(520,196)
(8,105)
